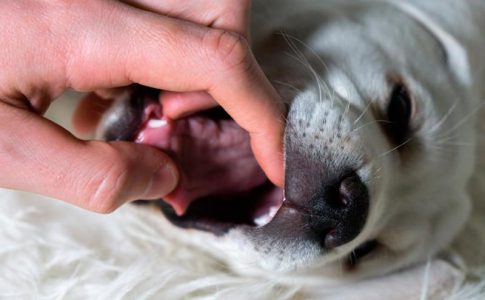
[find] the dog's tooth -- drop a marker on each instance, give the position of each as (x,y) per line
(156,123)
(262,220)
(266,218)
(140,138)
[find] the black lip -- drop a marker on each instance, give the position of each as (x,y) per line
(191,221)
(219,214)
(129,123)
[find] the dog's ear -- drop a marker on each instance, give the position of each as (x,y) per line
(456,55)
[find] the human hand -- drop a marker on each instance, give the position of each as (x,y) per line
(96,44)
(244,92)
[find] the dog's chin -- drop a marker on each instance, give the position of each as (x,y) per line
(222,185)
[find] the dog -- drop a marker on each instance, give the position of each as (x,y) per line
(382,142)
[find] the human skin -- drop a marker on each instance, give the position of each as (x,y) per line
(196,49)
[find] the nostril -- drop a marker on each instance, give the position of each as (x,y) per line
(351,187)
(343,200)
(345,190)
(341,195)
(342,211)
(331,239)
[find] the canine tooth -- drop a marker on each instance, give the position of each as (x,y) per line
(266,218)
(262,220)
(272,211)
(140,138)
(156,123)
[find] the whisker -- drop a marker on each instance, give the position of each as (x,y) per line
(371,123)
(314,53)
(320,82)
(396,148)
(363,113)
(425,280)
(347,110)
(465,119)
(286,84)
(312,71)
(464,144)
(442,121)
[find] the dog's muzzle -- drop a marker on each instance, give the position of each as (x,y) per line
(223,185)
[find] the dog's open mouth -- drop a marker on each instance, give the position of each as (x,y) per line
(221,183)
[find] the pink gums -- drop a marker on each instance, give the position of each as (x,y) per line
(214,156)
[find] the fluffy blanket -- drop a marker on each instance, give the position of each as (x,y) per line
(49,250)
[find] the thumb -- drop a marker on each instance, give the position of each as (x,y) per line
(43,158)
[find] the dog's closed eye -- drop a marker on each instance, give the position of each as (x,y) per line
(398,115)
(361,252)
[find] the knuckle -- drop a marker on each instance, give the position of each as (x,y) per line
(108,184)
(231,50)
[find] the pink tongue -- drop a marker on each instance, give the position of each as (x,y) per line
(214,157)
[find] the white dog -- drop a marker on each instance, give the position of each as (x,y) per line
(382,145)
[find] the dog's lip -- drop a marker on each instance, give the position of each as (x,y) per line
(264,199)
(245,211)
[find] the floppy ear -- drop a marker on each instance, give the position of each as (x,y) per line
(456,54)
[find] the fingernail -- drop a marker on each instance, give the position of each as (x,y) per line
(164,181)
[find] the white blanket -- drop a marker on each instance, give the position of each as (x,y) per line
(49,250)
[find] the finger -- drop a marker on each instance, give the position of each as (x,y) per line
(232,15)
(174,55)
(264,141)
(248,97)
(112,93)
(42,157)
(179,105)
(88,113)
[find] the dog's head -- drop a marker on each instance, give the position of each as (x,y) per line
(375,176)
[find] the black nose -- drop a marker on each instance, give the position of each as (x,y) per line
(335,208)
(339,211)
